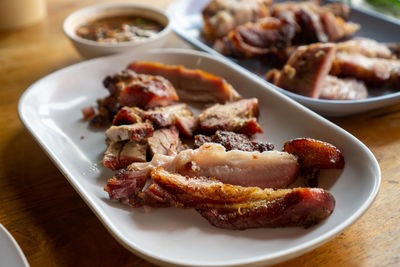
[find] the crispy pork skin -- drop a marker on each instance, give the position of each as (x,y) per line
(136,132)
(375,71)
(306,69)
(221,16)
(236,207)
(239,116)
(165,141)
(315,153)
(334,88)
(232,141)
(191,85)
(141,90)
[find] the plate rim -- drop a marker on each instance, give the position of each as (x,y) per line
(133,247)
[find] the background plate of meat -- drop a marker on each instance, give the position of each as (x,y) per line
(351,77)
(50,109)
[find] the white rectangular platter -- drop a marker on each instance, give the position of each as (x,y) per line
(51,111)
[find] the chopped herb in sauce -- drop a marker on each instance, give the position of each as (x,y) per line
(119,29)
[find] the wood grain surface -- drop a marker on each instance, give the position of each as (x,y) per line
(53,225)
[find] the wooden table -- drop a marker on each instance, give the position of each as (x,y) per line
(54,227)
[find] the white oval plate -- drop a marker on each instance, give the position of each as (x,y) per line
(11,254)
(50,109)
(186,21)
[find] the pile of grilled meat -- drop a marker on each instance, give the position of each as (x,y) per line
(309,41)
(166,156)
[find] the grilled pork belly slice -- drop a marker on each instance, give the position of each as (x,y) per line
(232,141)
(221,16)
(314,155)
(165,141)
(136,132)
(239,116)
(267,36)
(140,90)
(306,69)
(366,47)
(121,154)
(191,85)
(375,71)
(313,152)
(176,114)
(236,207)
(269,169)
(343,89)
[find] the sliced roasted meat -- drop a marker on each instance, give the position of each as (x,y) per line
(232,141)
(191,85)
(121,154)
(306,69)
(127,183)
(317,23)
(272,169)
(165,141)
(314,155)
(267,36)
(334,88)
(221,16)
(269,169)
(313,152)
(239,116)
(375,71)
(366,47)
(236,207)
(136,132)
(140,90)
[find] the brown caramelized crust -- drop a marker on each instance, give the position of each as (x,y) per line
(191,85)
(239,116)
(306,69)
(231,141)
(236,207)
(315,153)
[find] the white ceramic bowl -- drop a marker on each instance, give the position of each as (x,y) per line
(90,49)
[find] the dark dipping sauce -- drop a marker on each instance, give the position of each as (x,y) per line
(119,29)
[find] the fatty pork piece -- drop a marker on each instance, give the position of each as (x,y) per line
(191,85)
(306,70)
(334,88)
(140,90)
(316,23)
(314,155)
(177,114)
(238,208)
(374,71)
(120,154)
(364,46)
(231,141)
(269,169)
(221,16)
(135,132)
(165,141)
(239,116)
(264,37)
